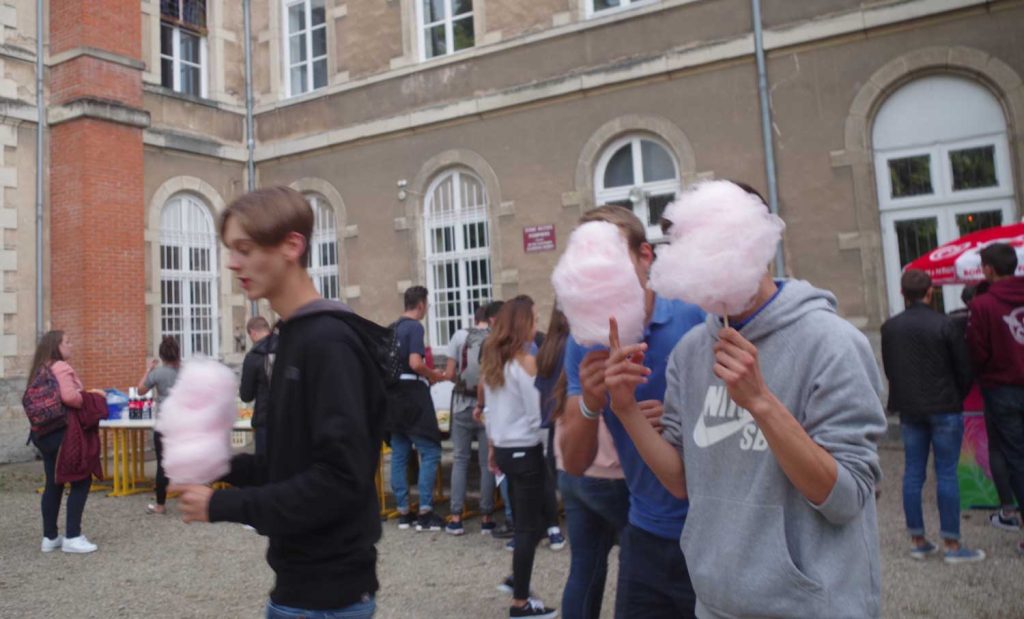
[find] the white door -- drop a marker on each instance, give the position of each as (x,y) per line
(910,233)
(942,167)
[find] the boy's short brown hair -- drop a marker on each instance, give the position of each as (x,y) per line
(257,323)
(622,217)
(271,214)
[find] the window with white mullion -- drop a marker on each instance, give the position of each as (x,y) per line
(457,253)
(639,173)
(188,276)
(596,8)
(446,27)
(324,249)
(183,46)
(305,39)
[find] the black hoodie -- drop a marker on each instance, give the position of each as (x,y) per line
(313,494)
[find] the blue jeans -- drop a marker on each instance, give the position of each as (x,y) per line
(596,510)
(654,582)
(1005,406)
(359,610)
(53,493)
(944,432)
(430,457)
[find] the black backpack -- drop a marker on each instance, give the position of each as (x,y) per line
(382,344)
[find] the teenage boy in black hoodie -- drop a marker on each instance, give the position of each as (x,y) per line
(313,492)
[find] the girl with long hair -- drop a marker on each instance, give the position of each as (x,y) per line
(513,418)
(52,354)
(161,375)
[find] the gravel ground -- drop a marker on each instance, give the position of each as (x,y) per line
(153,566)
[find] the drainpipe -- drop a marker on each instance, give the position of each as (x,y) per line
(766,129)
(250,138)
(40,144)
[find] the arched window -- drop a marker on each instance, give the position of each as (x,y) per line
(639,173)
(188,276)
(458,252)
(323,264)
(942,168)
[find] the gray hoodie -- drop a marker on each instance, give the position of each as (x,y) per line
(754,545)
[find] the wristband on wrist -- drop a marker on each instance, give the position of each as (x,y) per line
(586,412)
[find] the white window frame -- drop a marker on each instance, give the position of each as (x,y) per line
(941,169)
(307,34)
(625,6)
(177,61)
(457,218)
(325,231)
(604,195)
(449,29)
(198,233)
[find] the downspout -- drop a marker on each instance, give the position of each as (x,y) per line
(40,145)
(250,138)
(766,129)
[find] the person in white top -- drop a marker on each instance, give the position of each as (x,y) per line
(512,417)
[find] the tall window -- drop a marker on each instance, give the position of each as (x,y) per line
(446,26)
(188,276)
(183,46)
(458,253)
(305,45)
(639,173)
(942,169)
(597,8)
(323,263)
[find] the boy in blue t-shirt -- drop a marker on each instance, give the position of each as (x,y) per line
(653,577)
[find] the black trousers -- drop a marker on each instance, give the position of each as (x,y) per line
(53,492)
(161,477)
(526,473)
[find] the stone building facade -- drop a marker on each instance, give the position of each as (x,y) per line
(434,136)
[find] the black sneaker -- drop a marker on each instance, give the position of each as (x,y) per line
(506,585)
(429,521)
(533,608)
(406,520)
(487,528)
(504,531)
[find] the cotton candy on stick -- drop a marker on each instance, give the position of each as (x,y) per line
(594,280)
(720,244)
(195,423)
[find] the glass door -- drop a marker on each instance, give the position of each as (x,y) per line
(909,234)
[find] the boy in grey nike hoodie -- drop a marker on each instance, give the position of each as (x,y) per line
(771,430)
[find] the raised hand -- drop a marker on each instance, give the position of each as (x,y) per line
(624,372)
(737,366)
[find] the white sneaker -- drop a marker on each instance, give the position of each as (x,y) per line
(78,545)
(49,545)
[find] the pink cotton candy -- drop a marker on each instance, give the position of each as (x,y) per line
(594,280)
(721,242)
(195,422)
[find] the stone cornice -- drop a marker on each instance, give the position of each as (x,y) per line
(98,110)
(99,54)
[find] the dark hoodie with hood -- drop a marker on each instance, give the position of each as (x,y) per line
(313,493)
(995,334)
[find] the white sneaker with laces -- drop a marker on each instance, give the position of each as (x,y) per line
(78,545)
(49,545)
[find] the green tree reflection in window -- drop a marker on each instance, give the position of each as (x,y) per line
(974,168)
(910,176)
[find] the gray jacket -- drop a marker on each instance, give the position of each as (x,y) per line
(754,545)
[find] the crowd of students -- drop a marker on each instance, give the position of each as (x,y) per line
(733,459)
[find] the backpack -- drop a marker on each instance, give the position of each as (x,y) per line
(43,407)
(469,364)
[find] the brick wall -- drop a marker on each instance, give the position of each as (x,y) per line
(97,218)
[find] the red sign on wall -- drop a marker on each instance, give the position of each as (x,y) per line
(539,238)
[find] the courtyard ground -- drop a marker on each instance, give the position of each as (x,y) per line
(153,566)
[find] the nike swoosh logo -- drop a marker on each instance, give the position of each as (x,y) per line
(704,436)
